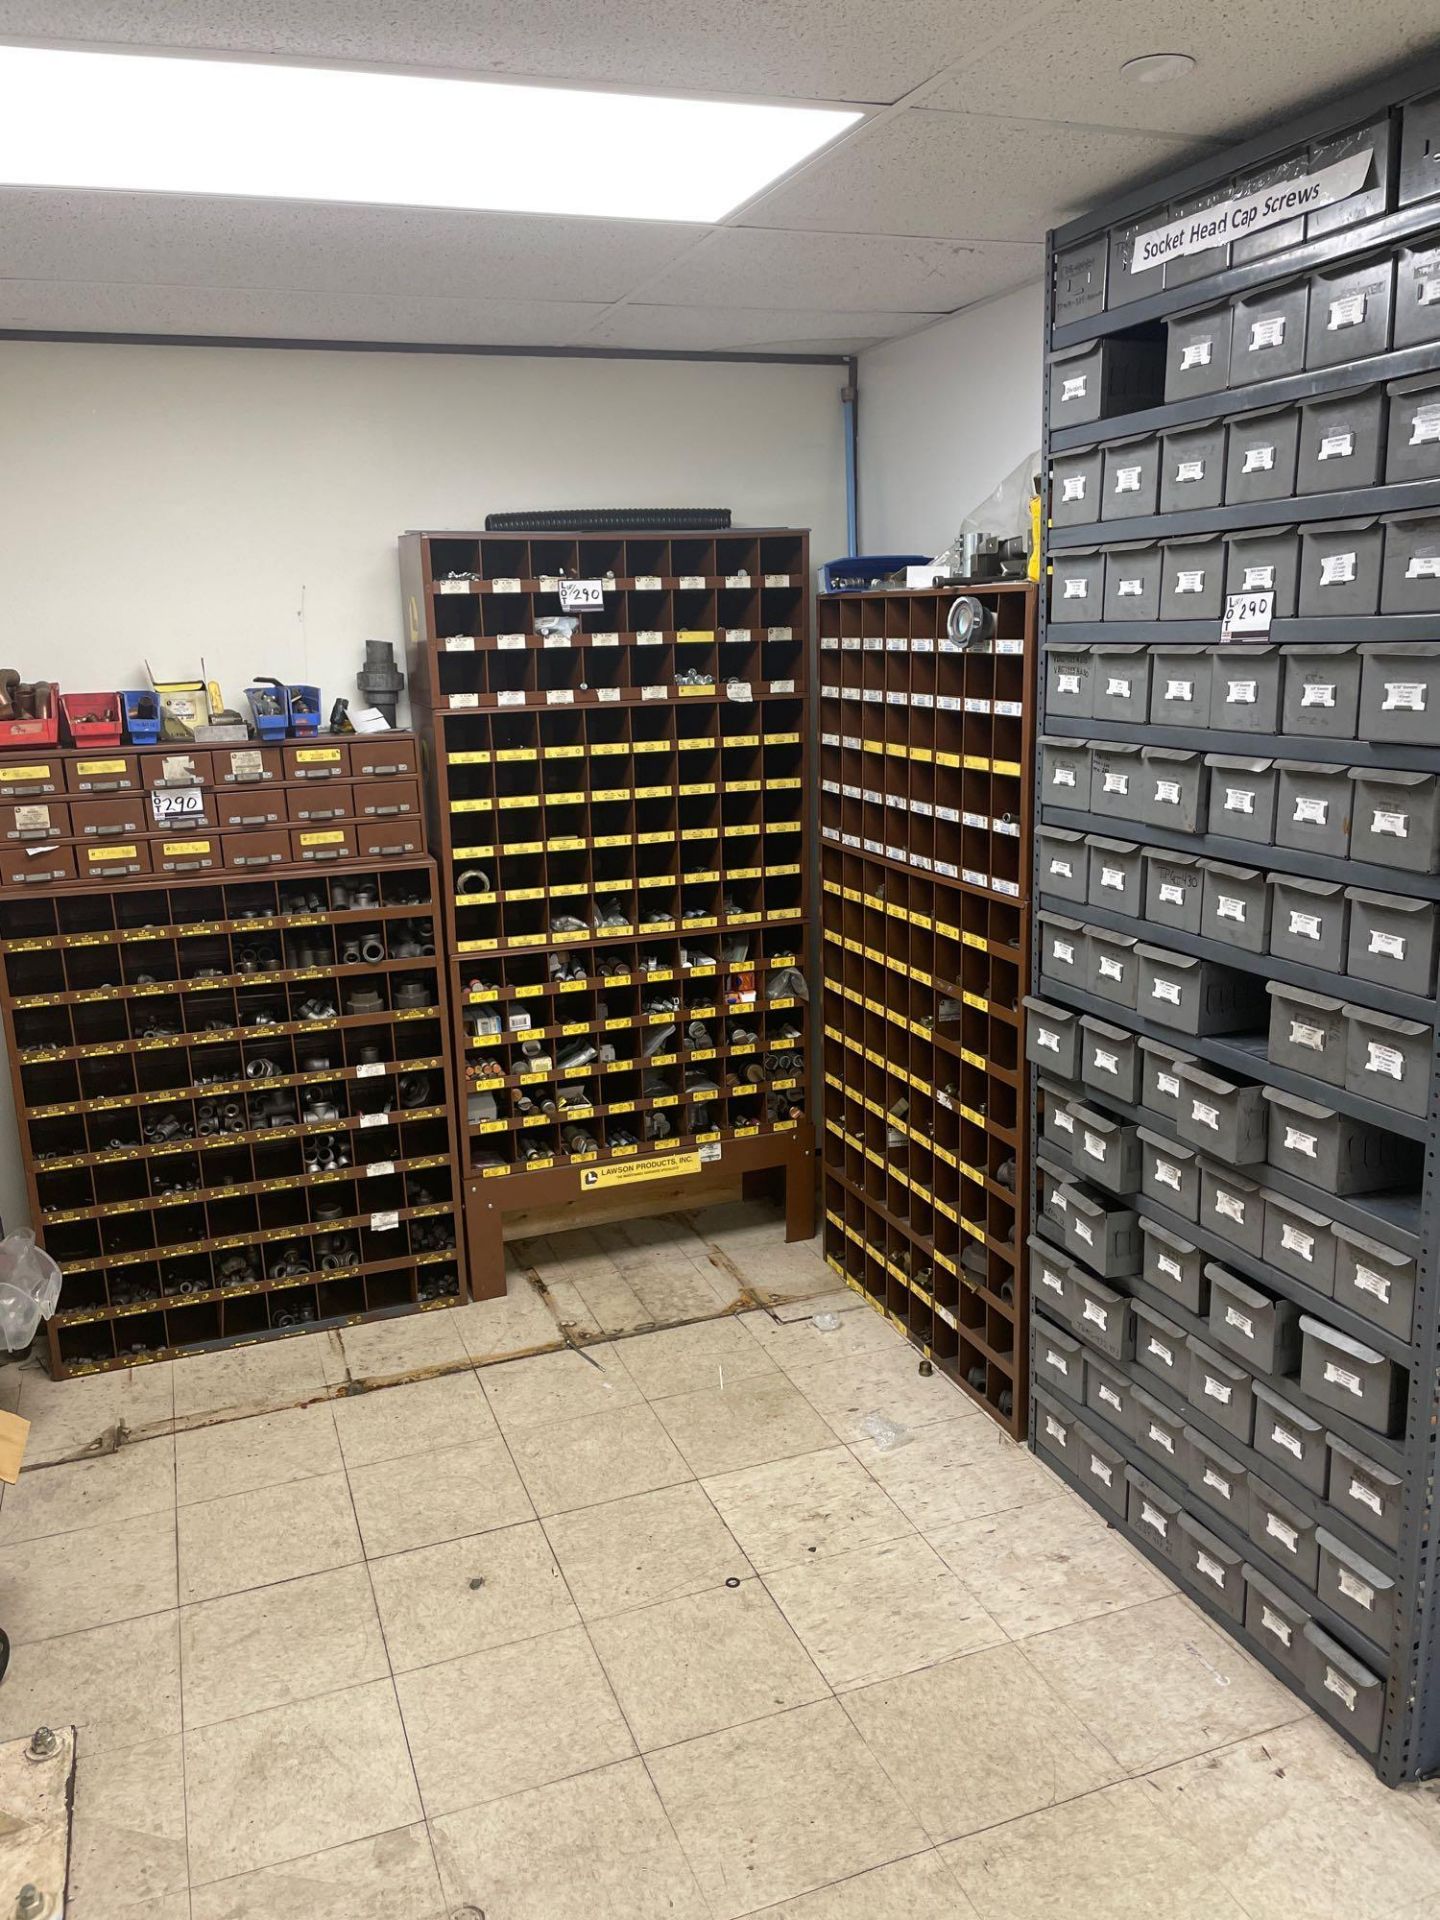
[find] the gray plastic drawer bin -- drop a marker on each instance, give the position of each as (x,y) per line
(1173,890)
(1124,285)
(1170,1174)
(1242,798)
(1372,197)
(1192,467)
(1245,681)
(1106,1150)
(1388,1059)
(1160,1348)
(1176,1268)
(1106,377)
(1200,997)
(1222,1117)
(1392,940)
(1350,1378)
(1350,312)
(1057,1123)
(1160,1084)
(1412,438)
(1419,150)
(1222,1390)
(1322,692)
(1278,1624)
(1197,352)
(1192,586)
(1375,1281)
(1417,294)
(1182,268)
(1052,1038)
(1396,819)
(1284,1531)
(1060,1362)
(1133,570)
(1068,682)
(1299,1241)
(1312,807)
(1356,1589)
(1152,1516)
(1120,682)
(1111,972)
(1400,693)
(1110,1059)
(1174,792)
(1307,1032)
(1309,921)
(1342,442)
(1103,1318)
(1290,1438)
(1051,1279)
(1116,787)
(1077,584)
(1410,576)
(1208,1566)
(1079,292)
(1235,907)
(1265,560)
(1108,1394)
(1055,1189)
(1062,950)
(1332,1151)
(1117,876)
(1102,1468)
(1343,1689)
(1257,1328)
(1217,1480)
(1106,1237)
(1131,477)
(1232,1206)
(1054,1428)
(1179,686)
(1064,863)
(1366,1492)
(1267,337)
(1065,774)
(1075,488)
(1261,454)
(1339,568)
(1159,1433)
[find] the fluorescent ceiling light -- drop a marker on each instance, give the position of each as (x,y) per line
(137,123)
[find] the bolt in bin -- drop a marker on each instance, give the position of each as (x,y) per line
(1284,1531)
(1116,876)
(1193,996)
(1175,1268)
(1322,692)
(1350,1378)
(1396,819)
(1307,1032)
(1400,692)
(1109,376)
(1232,1206)
(1067,681)
(1173,883)
(1265,560)
(1170,1174)
(1417,294)
(1197,352)
(1132,477)
(1262,1331)
(1340,567)
(1060,1362)
(1110,1059)
(1342,442)
(1080,281)
(1120,682)
(1366,1492)
(1192,467)
(1075,488)
(1212,1476)
(1108,1393)
(1115,784)
(1062,950)
(1210,1567)
(1192,586)
(1356,1589)
(1235,906)
(1052,1038)
(1160,1347)
(1175,791)
(1106,1150)
(1159,1432)
(1312,807)
(1054,1427)
(1077,584)
(1133,570)
(1389,1059)
(1051,1278)
(1179,686)
(1309,921)
(1160,1077)
(1274,1620)
(1350,312)
(1374,1280)
(1344,1690)
(1261,455)
(1153,1517)
(1412,440)
(1064,863)
(1102,1468)
(1222,1390)
(1245,680)
(1392,940)
(1065,777)
(1290,1438)
(1222,1117)
(1106,1236)
(1268,333)
(1332,1151)
(1299,1241)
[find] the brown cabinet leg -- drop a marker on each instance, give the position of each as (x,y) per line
(484,1243)
(800,1194)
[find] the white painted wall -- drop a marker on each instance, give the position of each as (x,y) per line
(944,417)
(169,502)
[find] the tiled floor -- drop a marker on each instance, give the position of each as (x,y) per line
(656,1631)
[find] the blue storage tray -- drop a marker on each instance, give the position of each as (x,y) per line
(862,570)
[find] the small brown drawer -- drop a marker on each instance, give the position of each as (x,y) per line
(318,845)
(327,800)
(186,853)
(389,839)
(105,773)
(247,766)
(319,760)
(176,765)
(381,756)
(385,799)
(265,847)
(118,818)
(112,859)
(36,868)
(253,806)
(22,820)
(19,777)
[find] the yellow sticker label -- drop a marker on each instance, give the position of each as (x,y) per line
(186,846)
(318,756)
(94,854)
(8,774)
(664,1166)
(334,838)
(96,766)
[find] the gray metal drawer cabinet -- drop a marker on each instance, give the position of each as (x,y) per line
(1232,1206)
(1158,1432)
(1192,585)
(1170,1174)
(1222,1117)
(1106,1238)
(1117,876)
(1153,1516)
(1063,956)
(1174,793)
(1350,1378)
(1235,907)
(1131,485)
(1290,1439)
(1192,467)
(1173,890)
(1242,798)
(1308,1032)
(1179,686)
(1410,576)
(1197,352)
(1299,1241)
(1343,1688)
(1054,1428)
(1375,1281)
(1395,820)
(1309,921)
(1245,680)
(1342,442)
(1052,1278)
(1261,456)
(1060,1362)
(1322,692)
(1284,1531)
(1065,774)
(1120,680)
(1412,439)
(1111,972)
(1417,294)
(1340,567)
(1276,1622)
(1356,1589)
(1067,681)
(1222,1390)
(1077,584)
(1400,693)
(1064,858)
(1109,1395)
(1052,1037)
(1268,333)
(1312,808)
(1210,1567)
(1195,996)
(1350,312)
(1106,1149)
(1389,1059)
(1133,571)
(1332,1151)
(1256,1327)
(1160,1084)
(1265,560)
(1366,1492)
(1102,1468)
(1075,488)
(1110,1059)
(1176,1268)
(1160,1348)
(1213,1477)
(1116,788)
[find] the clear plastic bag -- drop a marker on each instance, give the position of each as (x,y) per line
(29,1289)
(1002,515)
(887,1434)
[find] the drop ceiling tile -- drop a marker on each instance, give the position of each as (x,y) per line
(1258,61)
(747,329)
(843,273)
(965,176)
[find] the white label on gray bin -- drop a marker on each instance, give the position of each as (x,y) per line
(1073,487)
(1405,695)
(1205,1116)
(1052,1280)
(1383,821)
(1302,1034)
(1100,1470)
(1294,1241)
(1279,1530)
(1117,688)
(1179,689)
(1087,1234)
(1190,470)
(1282,1437)
(1064,1122)
(1298,1142)
(1257,580)
(1152,1517)
(1167,1265)
(1342,1377)
(1113,877)
(1093,1310)
(1131,589)
(1168,791)
(1354,1588)
(1369,1281)
(1190,580)
(1233,1208)
(1055,1430)
(1258,460)
(1196,353)
(1067,682)
(1173,896)
(1109,1394)
(1317,694)
(1116,783)
(1229,908)
(1239,800)
(1337,1684)
(1272,1623)
(1127,480)
(1062,951)
(1161,1352)
(1167,1174)
(1269,332)
(1062,776)
(1336,446)
(1110,969)
(1063,869)
(1211,1569)
(1074,388)
(1168,1084)
(1387,1060)
(1218,1390)
(1076,589)
(1161,1437)
(1168,990)
(1425,421)
(1315,812)
(1241,1321)
(1307,925)
(1367,1496)
(1104,1062)
(1347,311)
(1212,1478)
(1240,693)
(1047,1039)
(1423,566)
(1094,1146)
(1336,568)
(1057,1361)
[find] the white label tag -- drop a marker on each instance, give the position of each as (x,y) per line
(1211,1569)
(510,642)
(1190,580)
(1280,1530)
(1094,1146)
(1305,925)
(1425,421)
(1247,615)
(381,1119)
(1217,1482)
(1168,1084)
(1064,1122)
(1111,969)
(1367,1496)
(458,642)
(1067,682)
(1127,480)
(378,1167)
(1273,1623)
(1172,895)
(1233,1208)
(1291,1442)
(1269,332)
(370,1070)
(510,698)
(1087,1234)
(1229,908)
(1187,470)
(1116,783)
(1383,821)
(1218,1390)
(1317,694)
(1196,353)
(1406,696)
(1161,1352)
(1062,776)
(1387,1060)
(1239,800)
(1111,1398)
(1166,1174)
(1052,1280)
(1255,579)
(1294,1241)
(1076,589)
(1050,1041)
(1336,568)
(1242,1322)
(1347,311)
(1302,1034)
(1152,1517)
(1129,589)
(1337,1684)
(1093,1310)
(1074,387)
(1179,689)
(1342,1377)
(1167,990)
(1258,460)
(1336,446)
(1117,688)
(1062,869)
(1057,1361)
(1315,812)
(1064,952)
(1204,1115)
(1168,1266)
(1113,877)
(1101,1471)
(1298,1142)
(1161,1437)
(1055,1430)
(1073,487)
(385,1222)
(578,595)
(1168,791)
(1369,1281)
(1354,1588)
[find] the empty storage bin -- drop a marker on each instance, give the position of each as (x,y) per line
(1235,907)
(1115,783)
(1350,312)
(1309,921)
(1075,488)
(1233,1206)
(1392,940)
(1064,859)
(1245,680)
(1268,333)
(1388,1059)
(1052,1279)
(1312,807)
(1110,376)
(1284,1531)
(1079,291)
(1174,792)
(1322,692)
(1120,682)
(1192,585)
(1160,1085)
(1276,1622)
(1290,1438)
(1160,1347)
(1206,1564)
(1342,442)
(1065,773)
(1340,567)
(1356,1589)
(1216,1479)
(1265,560)
(1197,352)
(1242,798)
(1260,456)
(1300,1241)
(1417,294)
(1159,1432)
(1133,570)
(1222,1390)
(1364,1491)
(1062,950)
(1396,819)
(1117,875)
(1175,1267)
(1410,576)
(1106,1236)
(1060,1362)
(1412,436)
(1131,484)
(1108,1394)
(1052,1038)
(1170,1174)
(1308,1032)
(1077,584)
(1196,996)
(1259,1329)
(1343,1688)
(1350,1378)
(1222,1117)
(1153,1516)
(1067,682)
(1375,1281)
(1334,1152)
(1400,692)
(1111,972)
(1054,1426)
(1173,890)
(1110,1059)
(1179,686)
(1106,1149)
(1192,467)
(1102,1468)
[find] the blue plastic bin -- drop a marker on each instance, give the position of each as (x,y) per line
(142,729)
(861,570)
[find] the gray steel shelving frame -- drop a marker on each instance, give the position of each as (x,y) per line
(1409,1746)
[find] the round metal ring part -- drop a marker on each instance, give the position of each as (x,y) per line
(970,621)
